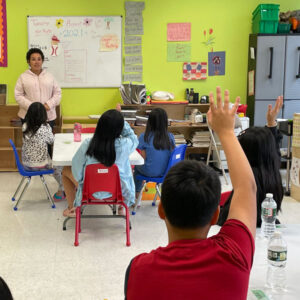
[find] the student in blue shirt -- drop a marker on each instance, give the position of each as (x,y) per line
(112,143)
(156,145)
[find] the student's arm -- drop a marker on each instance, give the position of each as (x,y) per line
(221,120)
(273,112)
(79,161)
(131,141)
(48,134)
(20,95)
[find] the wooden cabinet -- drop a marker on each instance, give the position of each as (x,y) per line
(177,112)
(9,131)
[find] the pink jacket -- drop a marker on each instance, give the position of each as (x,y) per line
(37,88)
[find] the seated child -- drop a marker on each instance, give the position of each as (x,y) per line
(112,143)
(37,135)
(156,145)
(193,266)
(261,146)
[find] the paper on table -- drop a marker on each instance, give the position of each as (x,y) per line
(133,77)
(136,49)
(179,31)
(133,39)
(179,52)
(131,60)
(133,68)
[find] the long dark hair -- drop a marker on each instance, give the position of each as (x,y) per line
(260,148)
(36,117)
(157,126)
(102,145)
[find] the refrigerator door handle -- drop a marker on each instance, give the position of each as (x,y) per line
(271,62)
(298,75)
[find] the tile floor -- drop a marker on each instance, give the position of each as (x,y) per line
(39,261)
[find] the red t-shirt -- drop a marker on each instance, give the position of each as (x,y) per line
(214,268)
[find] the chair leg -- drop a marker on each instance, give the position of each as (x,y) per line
(157,187)
(22,193)
(80,214)
(138,200)
(18,188)
(77,224)
(127,226)
(47,191)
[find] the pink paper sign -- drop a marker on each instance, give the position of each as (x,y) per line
(179,32)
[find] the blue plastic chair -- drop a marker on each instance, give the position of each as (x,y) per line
(177,155)
(27,175)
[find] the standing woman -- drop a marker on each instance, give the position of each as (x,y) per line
(37,85)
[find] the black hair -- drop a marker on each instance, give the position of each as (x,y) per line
(34,50)
(157,126)
(260,148)
(102,145)
(190,194)
(5,293)
(36,116)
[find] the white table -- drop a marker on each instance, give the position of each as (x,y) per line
(64,149)
(291,234)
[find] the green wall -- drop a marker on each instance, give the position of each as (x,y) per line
(230,20)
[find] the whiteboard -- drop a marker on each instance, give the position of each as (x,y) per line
(80,51)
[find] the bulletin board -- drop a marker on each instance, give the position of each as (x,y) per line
(80,51)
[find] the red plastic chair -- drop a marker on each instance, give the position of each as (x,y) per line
(105,179)
(88,130)
(242,108)
(224,197)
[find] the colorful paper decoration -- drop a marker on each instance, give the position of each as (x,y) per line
(216,63)
(179,32)
(194,70)
(3,34)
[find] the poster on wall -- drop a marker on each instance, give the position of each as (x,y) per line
(3,34)
(251,83)
(194,70)
(178,32)
(178,52)
(216,63)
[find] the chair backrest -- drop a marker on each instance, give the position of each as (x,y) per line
(224,197)
(177,155)
(99,178)
(88,130)
(19,164)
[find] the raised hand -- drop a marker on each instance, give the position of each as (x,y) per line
(272,113)
(220,117)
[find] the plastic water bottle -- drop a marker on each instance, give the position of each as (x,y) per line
(77,132)
(277,255)
(268,215)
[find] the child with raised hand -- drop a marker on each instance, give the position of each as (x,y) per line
(112,143)
(189,206)
(37,135)
(261,147)
(156,145)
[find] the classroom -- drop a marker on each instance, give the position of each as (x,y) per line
(38,258)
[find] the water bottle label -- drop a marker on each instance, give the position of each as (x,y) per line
(269,212)
(277,255)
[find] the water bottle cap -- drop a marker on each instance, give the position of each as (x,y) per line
(269,195)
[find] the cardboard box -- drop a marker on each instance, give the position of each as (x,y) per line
(2,99)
